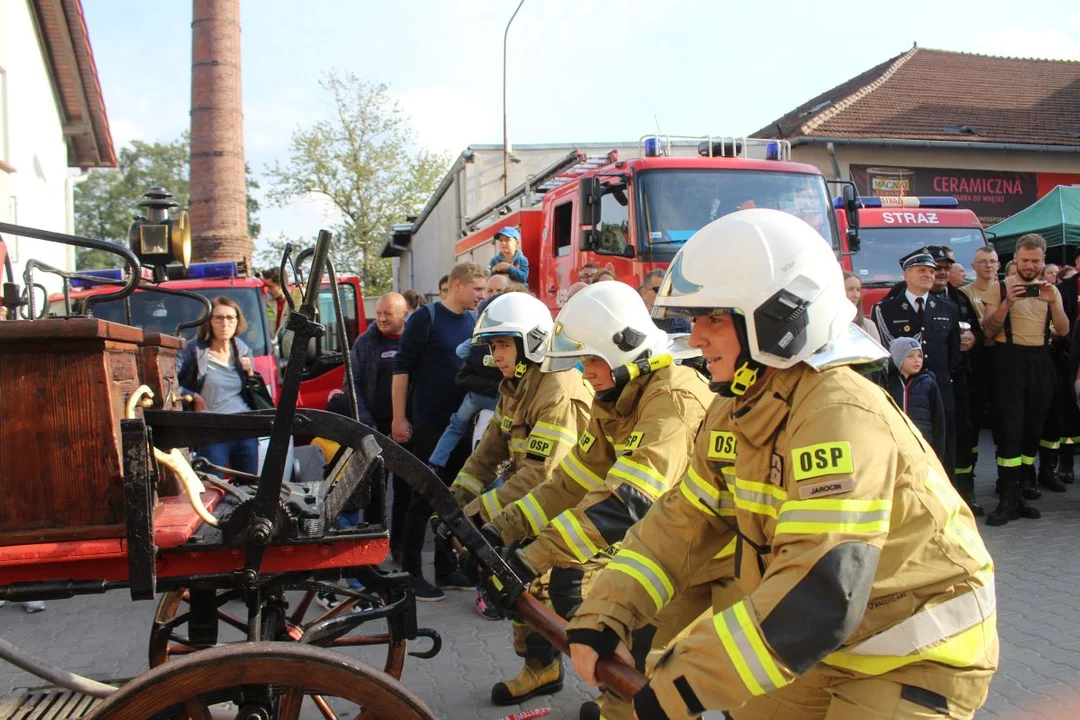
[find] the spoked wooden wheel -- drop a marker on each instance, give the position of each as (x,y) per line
(169,636)
(262,681)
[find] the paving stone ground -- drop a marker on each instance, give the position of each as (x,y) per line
(1038,588)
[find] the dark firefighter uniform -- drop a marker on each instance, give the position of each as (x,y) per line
(967,430)
(536,423)
(864,574)
(938,332)
(1023,385)
(634,448)
(1070,415)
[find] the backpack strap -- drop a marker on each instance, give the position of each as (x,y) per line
(1007,325)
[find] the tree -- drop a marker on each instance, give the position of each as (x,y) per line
(107,200)
(364,163)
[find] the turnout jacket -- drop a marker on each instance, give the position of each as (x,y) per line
(852,549)
(537,420)
(634,448)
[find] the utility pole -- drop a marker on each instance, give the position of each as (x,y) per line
(506,139)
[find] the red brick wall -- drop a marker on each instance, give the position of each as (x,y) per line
(218,189)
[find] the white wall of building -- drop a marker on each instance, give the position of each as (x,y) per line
(39,192)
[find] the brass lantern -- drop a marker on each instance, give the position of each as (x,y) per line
(159,238)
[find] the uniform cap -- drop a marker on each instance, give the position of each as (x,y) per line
(919,258)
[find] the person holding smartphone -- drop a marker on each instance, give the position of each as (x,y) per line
(1021,314)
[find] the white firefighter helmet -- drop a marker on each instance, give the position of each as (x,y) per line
(607,319)
(519,315)
(769,269)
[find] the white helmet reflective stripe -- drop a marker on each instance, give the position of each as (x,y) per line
(771,268)
(520,315)
(609,320)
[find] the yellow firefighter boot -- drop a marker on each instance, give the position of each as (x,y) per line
(535,678)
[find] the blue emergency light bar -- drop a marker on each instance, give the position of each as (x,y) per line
(205,271)
(110,274)
(908,201)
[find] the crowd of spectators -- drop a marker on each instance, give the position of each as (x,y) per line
(995,352)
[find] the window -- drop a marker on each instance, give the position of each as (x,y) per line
(155,312)
(614,221)
(327,316)
(564,228)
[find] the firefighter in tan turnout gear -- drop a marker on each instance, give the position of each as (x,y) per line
(868,592)
(539,416)
(643,421)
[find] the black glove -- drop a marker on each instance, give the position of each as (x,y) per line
(492,535)
(524,571)
(438,527)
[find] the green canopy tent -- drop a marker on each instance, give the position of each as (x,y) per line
(1056,217)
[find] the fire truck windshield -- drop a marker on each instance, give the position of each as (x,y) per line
(677,203)
(154,312)
(878,261)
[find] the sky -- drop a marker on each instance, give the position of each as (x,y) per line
(577,70)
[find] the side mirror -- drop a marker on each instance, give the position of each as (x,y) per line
(589,192)
(851,213)
(628,252)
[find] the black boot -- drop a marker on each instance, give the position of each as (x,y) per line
(1028,491)
(1008,507)
(1065,464)
(965,486)
(1047,479)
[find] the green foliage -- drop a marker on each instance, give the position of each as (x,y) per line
(107,200)
(363,163)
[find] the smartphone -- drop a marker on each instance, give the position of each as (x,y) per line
(1032,291)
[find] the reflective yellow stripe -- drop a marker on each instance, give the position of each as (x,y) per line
(641,476)
(491,503)
(1050,444)
(497,418)
(554,432)
(574,536)
(758,497)
(648,574)
(747,650)
(469,482)
(518,445)
(956,632)
(728,550)
(809,517)
(1008,462)
(703,495)
(580,474)
(533,513)
(1027,460)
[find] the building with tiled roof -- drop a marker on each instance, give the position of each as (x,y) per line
(52,119)
(996,132)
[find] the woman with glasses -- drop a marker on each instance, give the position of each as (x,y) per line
(213,369)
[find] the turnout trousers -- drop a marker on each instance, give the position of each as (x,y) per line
(1024,384)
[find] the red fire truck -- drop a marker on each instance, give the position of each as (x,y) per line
(891,227)
(155,312)
(632,216)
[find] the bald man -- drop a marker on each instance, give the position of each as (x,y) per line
(496,285)
(373,366)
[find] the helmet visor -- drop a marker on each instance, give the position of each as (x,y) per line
(675,298)
(563,351)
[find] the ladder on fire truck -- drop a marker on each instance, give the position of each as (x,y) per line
(530,193)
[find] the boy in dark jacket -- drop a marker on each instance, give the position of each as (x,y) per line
(915,390)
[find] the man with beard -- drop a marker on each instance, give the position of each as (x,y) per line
(1020,315)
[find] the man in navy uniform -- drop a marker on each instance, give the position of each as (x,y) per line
(934,321)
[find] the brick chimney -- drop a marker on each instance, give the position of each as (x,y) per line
(219,218)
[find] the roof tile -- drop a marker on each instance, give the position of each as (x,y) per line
(930,94)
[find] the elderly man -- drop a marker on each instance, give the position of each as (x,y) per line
(496,285)
(373,356)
